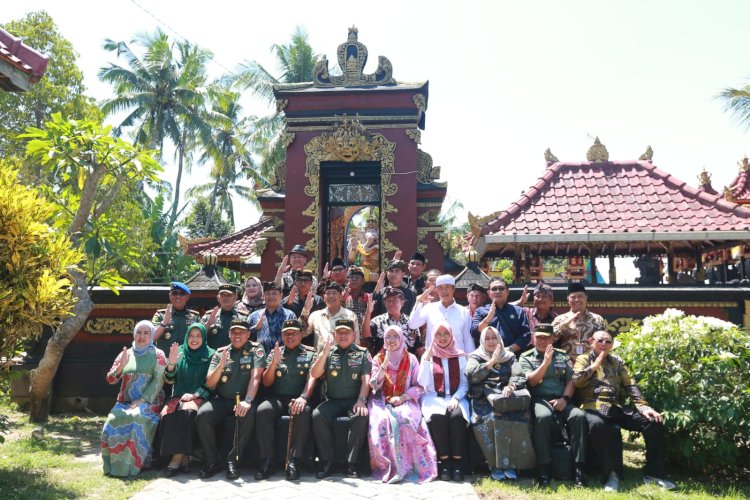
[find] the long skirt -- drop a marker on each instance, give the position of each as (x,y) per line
(177,429)
(400,443)
(127,438)
(504,438)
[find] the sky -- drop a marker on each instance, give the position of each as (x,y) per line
(507,79)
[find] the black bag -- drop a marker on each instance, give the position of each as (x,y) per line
(518,401)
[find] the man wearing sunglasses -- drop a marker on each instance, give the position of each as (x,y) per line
(602,384)
(506,318)
(172,322)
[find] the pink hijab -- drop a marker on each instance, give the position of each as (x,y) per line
(451,351)
(395,358)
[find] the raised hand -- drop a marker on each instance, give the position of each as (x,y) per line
(397,255)
(276,353)
(168,315)
(424,297)
(491,313)
(524,295)
(261,319)
(380,283)
(328,344)
(548,354)
(428,352)
(284,266)
(308,303)
(174,350)
(123,359)
(292,295)
(224,358)
(370,306)
(326,273)
(212,316)
(495,355)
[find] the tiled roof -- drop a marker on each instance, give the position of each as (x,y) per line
(614,197)
(208,278)
(22,59)
(233,246)
(470,275)
(741,186)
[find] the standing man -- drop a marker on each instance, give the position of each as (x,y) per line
(346,369)
(337,273)
(300,292)
(290,265)
(172,322)
(286,374)
(447,309)
(475,296)
(415,278)
(542,311)
(602,384)
(235,369)
(549,374)
(220,318)
(322,323)
(394,275)
(355,298)
(375,328)
(265,324)
(507,319)
(575,328)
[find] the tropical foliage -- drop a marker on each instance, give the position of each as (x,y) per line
(694,370)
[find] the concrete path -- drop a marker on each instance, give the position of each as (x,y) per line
(308,488)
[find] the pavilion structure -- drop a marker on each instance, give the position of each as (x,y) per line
(20,65)
(355,184)
(603,208)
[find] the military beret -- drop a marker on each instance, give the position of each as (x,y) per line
(228,289)
(238,323)
(396,264)
(179,286)
(576,287)
(543,330)
(298,249)
(291,324)
(271,285)
(344,324)
(332,285)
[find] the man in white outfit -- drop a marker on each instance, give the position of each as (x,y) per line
(445,310)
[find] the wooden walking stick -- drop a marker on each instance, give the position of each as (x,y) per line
(236,428)
(289,436)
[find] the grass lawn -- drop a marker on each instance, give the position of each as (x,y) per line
(63,463)
(688,487)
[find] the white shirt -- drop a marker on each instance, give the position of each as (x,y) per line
(434,313)
(432,403)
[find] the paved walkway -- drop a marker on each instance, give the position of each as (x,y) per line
(334,487)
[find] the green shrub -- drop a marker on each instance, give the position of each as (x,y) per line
(695,370)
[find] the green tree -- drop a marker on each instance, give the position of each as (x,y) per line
(737,102)
(60,90)
(295,64)
(34,262)
(163,93)
(89,175)
(202,216)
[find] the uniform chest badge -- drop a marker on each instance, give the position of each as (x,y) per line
(245,353)
(167,335)
(354,376)
(334,373)
(259,352)
(512,316)
(279,373)
(224,379)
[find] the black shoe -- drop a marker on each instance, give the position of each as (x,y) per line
(171,472)
(444,473)
(233,472)
(265,470)
(208,471)
(325,469)
(292,473)
(351,471)
(580,477)
(543,476)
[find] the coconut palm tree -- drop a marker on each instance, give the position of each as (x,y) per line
(163,93)
(737,102)
(295,63)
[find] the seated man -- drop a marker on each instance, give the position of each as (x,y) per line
(346,368)
(602,382)
(286,373)
(549,377)
(234,372)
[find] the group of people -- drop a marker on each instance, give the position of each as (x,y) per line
(411,369)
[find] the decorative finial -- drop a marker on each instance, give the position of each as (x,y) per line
(549,156)
(352,57)
(728,194)
(597,153)
(471,255)
(704,178)
(648,155)
(744,164)
(210,259)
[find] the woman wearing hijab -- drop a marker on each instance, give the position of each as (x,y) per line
(400,444)
(444,404)
(186,370)
(494,368)
(131,424)
(252,297)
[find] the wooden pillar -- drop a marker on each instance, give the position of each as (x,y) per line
(526,265)
(672,277)
(700,273)
(612,270)
(517,257)
(592,259)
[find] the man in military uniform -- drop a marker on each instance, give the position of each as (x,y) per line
(172,322)
(220,318)
(286,374)
(549,374)
(346,369)
(235,369)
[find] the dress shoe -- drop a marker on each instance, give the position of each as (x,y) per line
(292,473)
(233,472)
(497,474)
(613,482)
(208,471)
(542,477)
(458,474)
(661,483)
(511,474)
(444,474)
(351,471)
(580,477)
(265,470)
(171,472)
(325,469)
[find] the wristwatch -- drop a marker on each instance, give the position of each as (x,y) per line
(363,399)
(566,398)
(304,396)
(249,400)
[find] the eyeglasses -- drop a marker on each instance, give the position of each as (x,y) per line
(603,341)
(498,289)
(177,293)
(338,269)
(303,280)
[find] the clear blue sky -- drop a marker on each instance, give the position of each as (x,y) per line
(507,79)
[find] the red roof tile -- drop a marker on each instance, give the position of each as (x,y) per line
(233,246)
(631,196)
(741,186)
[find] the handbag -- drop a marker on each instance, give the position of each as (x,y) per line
(518,401)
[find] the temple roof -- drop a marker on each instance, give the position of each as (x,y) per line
(20,65)
(233,247)
(602,201)
(740,187)
(470,275)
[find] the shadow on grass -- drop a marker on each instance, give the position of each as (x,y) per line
(23,484)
